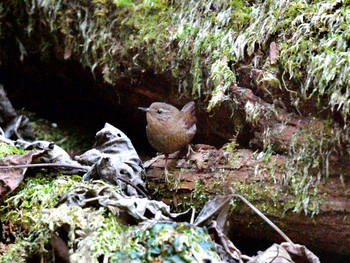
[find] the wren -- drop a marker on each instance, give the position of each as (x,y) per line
(169,129)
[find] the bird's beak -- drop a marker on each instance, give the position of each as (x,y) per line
(144,109)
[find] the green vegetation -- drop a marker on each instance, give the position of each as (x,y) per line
(120,38)
(297,189)
(34,213)
(201,43)
(299,195)
(205,190)
(255,191)
(25,211)
(170,242)
(201,193)
(7,150)
(70,139)
(307,167)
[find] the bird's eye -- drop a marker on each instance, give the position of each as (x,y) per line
(160,111)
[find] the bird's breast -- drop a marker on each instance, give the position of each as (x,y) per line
(169,137)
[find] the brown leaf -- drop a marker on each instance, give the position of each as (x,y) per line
(300,251)
(11,177)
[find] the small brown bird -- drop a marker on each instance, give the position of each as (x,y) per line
(168,129)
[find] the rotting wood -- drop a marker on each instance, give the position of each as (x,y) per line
(326,232)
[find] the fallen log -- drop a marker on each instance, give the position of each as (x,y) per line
(317,216)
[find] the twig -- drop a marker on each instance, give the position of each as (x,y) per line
(33,165)
(264,217)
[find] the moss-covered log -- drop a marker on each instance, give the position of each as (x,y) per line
(310,212)
(271,46)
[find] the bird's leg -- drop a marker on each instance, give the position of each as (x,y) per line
(166,168)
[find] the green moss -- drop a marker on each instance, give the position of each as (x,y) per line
(93,234)
(319,48)
(121,37)
(230,150)
(33,195)
(17,252)
(69,138)
(25,211)
(170,242)
(312,38)
(7,150)
(255,191)
(272,199)
(200,194)
(296,190)
(32,213)
(200,43)
(308,166)
(206,190)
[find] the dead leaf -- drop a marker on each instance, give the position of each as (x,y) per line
(300,251)
(11,177)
